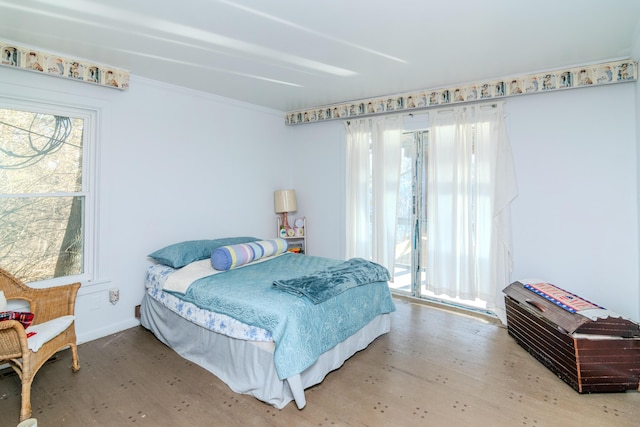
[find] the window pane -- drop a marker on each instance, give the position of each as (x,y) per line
(42,220)
(402,278)
(42,237)
(39,153)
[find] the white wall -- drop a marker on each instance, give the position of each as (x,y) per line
(575,221)
(173,165)
(635,55)
(317,157)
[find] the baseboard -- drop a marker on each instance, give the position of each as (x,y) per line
(111,329)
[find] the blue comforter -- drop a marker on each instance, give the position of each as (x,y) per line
(302,330)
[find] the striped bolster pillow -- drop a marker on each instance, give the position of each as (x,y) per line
(232,256)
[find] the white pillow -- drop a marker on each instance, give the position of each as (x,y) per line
(46,331)
(3,302)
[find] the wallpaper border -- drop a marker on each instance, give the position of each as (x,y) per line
(38,61)
(566,78)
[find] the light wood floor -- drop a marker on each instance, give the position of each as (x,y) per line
(435,368)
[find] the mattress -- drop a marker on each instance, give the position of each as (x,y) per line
(217,322)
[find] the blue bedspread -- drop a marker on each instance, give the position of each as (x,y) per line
(302,330)
(327,283)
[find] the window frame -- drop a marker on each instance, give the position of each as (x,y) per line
(91,117)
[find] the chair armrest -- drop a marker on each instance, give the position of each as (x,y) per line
(50,303)
(13,340)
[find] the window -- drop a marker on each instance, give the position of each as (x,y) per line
(46,200)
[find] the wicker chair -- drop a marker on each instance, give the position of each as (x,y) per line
(46,304)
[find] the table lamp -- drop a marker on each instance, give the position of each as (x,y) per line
(284,202)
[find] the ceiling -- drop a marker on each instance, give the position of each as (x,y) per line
(296,54)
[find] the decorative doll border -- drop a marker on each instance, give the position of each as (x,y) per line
(575,77)
(60,66)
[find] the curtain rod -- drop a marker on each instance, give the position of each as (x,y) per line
(464,107)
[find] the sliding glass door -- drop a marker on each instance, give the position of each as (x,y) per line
(410,268)
(411,238)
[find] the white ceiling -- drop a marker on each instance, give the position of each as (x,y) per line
(295,54)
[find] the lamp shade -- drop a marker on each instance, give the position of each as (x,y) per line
(285,201)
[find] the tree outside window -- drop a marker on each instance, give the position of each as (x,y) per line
(42,195)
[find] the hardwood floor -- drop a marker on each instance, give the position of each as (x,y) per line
(435,368)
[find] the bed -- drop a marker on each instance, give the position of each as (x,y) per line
(268,324)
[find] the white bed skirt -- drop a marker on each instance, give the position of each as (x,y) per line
(247,366)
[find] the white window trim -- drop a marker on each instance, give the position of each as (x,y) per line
(91,117)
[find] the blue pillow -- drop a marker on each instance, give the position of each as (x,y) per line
(180,254)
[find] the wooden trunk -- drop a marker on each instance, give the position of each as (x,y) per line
(601,355)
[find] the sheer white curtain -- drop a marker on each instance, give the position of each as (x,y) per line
(374,148)
(387,152)
(358,192)
(470,187)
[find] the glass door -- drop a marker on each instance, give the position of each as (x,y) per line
(410,261)
(410,266)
